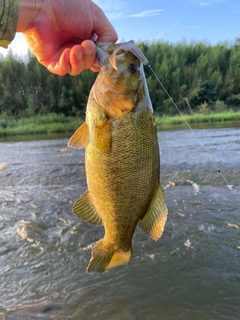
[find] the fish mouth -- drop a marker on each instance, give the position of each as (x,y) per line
(102,56)
(107,51)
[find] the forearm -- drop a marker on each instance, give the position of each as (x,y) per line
(9,11)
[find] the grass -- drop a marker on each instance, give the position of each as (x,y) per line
(50,123)
(56,123)
(198,118)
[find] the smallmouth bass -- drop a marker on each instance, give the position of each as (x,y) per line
(121,158)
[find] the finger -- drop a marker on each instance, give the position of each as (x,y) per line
(102,26)
(76,60)
(82,57)
(95,66)
(62,66)
(89,53)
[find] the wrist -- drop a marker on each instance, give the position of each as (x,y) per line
(27,12)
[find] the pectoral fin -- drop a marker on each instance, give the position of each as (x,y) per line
(79,138)
(85,210)
(154,220)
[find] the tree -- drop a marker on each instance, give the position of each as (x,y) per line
(198,72)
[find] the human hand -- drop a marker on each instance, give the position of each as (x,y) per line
(59,33)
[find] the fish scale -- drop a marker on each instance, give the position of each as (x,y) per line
(120,180)
(121,158)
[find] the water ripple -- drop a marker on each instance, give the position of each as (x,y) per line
(192,272)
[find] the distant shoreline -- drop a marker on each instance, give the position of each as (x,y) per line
(58,123)
(223,117)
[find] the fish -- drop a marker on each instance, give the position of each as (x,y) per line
(122,159)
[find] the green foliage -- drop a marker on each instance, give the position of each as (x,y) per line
(192,73)
(46,123)
(203,108)
(197,72)
(228,116)
(220,106)
(28,89)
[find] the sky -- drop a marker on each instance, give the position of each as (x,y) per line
(211,21)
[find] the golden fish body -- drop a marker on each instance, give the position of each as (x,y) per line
(122,161)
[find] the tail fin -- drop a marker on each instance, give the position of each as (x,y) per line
(106,256)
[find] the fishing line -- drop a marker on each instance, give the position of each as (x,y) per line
(192,131)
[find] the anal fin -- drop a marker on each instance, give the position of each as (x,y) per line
(154,220)
(84,209)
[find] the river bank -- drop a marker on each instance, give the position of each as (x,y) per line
(58,123)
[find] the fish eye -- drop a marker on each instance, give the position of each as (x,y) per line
(133,68)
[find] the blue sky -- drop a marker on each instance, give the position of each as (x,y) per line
(168,20)
(173,20)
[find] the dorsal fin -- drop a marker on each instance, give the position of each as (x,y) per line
(79,138)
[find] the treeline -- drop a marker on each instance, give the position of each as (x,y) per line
(28,88)
(199,77)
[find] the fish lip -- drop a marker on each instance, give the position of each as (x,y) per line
(104,57)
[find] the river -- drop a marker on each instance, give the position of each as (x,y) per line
(192,272)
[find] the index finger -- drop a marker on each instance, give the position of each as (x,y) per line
(102,26)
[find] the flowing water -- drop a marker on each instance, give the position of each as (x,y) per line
(191,273)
